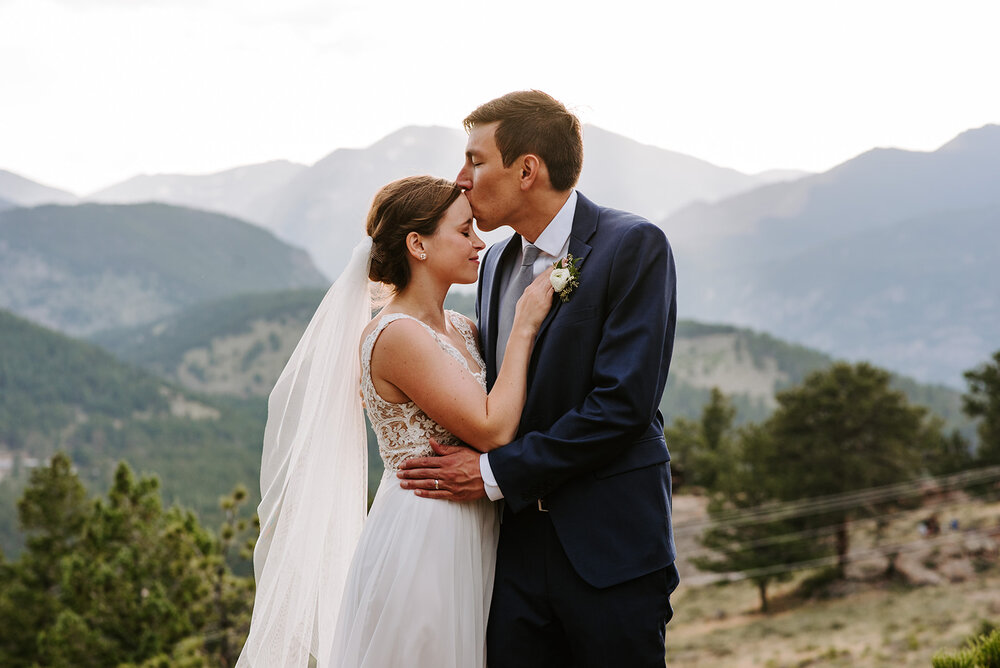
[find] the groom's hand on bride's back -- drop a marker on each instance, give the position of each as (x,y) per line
(453,475)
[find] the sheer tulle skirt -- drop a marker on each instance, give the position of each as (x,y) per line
(418,591)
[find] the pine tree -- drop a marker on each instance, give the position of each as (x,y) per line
(759,547)
(120,581)
(53,513)
(983,401)
(702,452)
(844,429)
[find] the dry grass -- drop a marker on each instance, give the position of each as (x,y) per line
(878,624)
(890,626)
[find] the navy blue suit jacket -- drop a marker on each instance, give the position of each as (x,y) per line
(590,441)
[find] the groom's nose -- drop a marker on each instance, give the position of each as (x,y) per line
(464,178)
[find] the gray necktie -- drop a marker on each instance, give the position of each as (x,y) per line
(515,289)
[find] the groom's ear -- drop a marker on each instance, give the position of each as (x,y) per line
(531,167)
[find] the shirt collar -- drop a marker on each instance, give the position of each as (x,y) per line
(553,238)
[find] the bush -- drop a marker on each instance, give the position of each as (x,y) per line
(981,652)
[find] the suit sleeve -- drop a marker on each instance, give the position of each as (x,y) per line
(630,371)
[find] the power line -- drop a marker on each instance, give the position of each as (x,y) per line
(771,512)
(821,531)
(819,505)
(883,550)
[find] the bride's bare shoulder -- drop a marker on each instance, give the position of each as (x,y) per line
(371,326)
(402,335)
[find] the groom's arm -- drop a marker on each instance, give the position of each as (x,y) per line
(630,370)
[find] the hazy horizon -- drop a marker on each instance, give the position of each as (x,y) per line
(97,91)
(98,188)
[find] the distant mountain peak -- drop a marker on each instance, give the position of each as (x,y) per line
(231,172)
(409,134)
(982,139)
(237,191)
(593,134)
(23,191)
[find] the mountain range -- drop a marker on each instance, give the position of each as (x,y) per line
(877,188)
(89,267)
(888,257)
(244,192)
(322,207)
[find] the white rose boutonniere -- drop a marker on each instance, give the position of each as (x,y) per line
(565,277)
(559,279)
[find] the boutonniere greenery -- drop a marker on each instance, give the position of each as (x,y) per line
(565,277)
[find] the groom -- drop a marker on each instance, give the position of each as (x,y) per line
(585,564)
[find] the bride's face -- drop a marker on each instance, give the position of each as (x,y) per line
(453,249)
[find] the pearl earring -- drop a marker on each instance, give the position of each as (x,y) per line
(423,256)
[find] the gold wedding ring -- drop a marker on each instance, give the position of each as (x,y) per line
(436,484)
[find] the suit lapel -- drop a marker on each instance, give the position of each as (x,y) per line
(584,224)
(495,279)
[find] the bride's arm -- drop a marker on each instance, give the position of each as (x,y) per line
(409,359)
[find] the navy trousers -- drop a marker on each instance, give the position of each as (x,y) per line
(543,615)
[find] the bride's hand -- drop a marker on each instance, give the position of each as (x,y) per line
(534,304)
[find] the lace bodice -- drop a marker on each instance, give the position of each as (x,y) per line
(403,430)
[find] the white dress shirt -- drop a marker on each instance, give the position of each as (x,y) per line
(553,244)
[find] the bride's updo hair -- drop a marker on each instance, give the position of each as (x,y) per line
(413,204)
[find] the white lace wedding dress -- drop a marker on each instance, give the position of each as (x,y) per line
(418,591)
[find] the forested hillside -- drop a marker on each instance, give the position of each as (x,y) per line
(57,393)
(232,346)
(239,346)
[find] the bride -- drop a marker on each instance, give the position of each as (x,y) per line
(413,586)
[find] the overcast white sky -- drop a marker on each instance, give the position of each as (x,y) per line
(95,91)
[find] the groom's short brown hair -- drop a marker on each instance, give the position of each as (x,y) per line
(534,122)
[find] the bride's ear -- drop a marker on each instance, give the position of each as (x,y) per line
(415,246)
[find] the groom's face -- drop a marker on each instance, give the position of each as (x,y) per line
(493,190)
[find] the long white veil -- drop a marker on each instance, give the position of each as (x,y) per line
(313,481)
